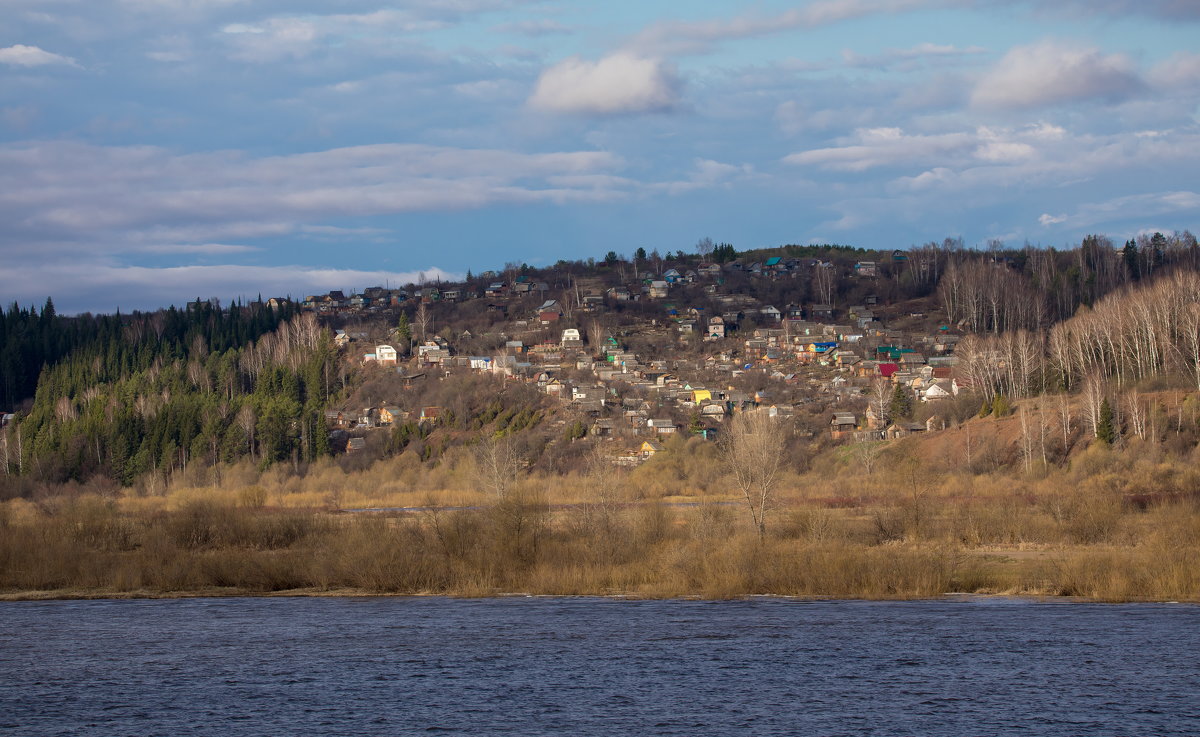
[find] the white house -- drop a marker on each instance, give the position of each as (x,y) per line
(385,355)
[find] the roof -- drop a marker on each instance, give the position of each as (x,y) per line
(887,369)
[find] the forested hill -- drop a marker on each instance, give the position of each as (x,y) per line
(31,340)
(123,395)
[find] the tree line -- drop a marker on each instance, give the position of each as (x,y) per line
(154,392)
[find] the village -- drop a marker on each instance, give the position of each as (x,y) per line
(673,351)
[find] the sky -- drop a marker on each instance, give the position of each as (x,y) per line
(155,151)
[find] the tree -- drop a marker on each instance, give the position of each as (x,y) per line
(640,254)
(404,331)
(611,258)
(496,466)
(704,247)
(422,320)
(753,450)
(900,406)
(878,402)
(1106,429)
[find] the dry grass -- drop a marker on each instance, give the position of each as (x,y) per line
(903,547)
(1110,525)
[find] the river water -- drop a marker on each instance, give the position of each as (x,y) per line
(582,666)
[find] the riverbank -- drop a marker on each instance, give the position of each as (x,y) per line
(92,548)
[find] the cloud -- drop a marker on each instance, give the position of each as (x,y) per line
(1162,9)
(533,28)
(706,174)
(20,55)
(94,284)
(73,193)
(616,84)
(875,147)
(916,53)
(198,248)
(1129,207)
(1181,70)
(691,37)
(1050,73)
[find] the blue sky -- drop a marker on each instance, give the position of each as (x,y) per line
(152,151)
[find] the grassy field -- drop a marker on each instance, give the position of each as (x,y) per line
(958,511)
(912,547)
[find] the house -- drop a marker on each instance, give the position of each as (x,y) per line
(672,276)
(716,327)
(865,268)
(709,270)
(340,338)
(649,448)
(659,289)
(385,355)
(354,445)
(771,313)
(619,294)
(604,427)
(335,418)
(430,414)
(903,429)
(820,312)
(713,411)
(937,391)
(662,427)
(390,415)
(571,338)
(842,425)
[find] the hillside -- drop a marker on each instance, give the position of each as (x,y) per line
(598,402)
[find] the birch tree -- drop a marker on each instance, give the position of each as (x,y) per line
(753,450)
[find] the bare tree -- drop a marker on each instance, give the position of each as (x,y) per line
(823,282)
(753,449)
(497,464)
(595,336)
(421,320)
(1137,413)
(878,402)
(1094,393)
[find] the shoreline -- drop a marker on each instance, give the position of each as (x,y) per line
(358,593)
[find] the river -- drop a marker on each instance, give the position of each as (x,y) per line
(586,666)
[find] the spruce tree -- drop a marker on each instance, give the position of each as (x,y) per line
(1106,430)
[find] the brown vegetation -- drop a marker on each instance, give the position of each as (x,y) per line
(1112,524)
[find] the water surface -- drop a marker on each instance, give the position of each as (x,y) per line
(544,666)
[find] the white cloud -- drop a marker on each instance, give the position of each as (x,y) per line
(94,284)
(20,55)
(874,147)
(620,83)
(75,193)
(1049,73)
